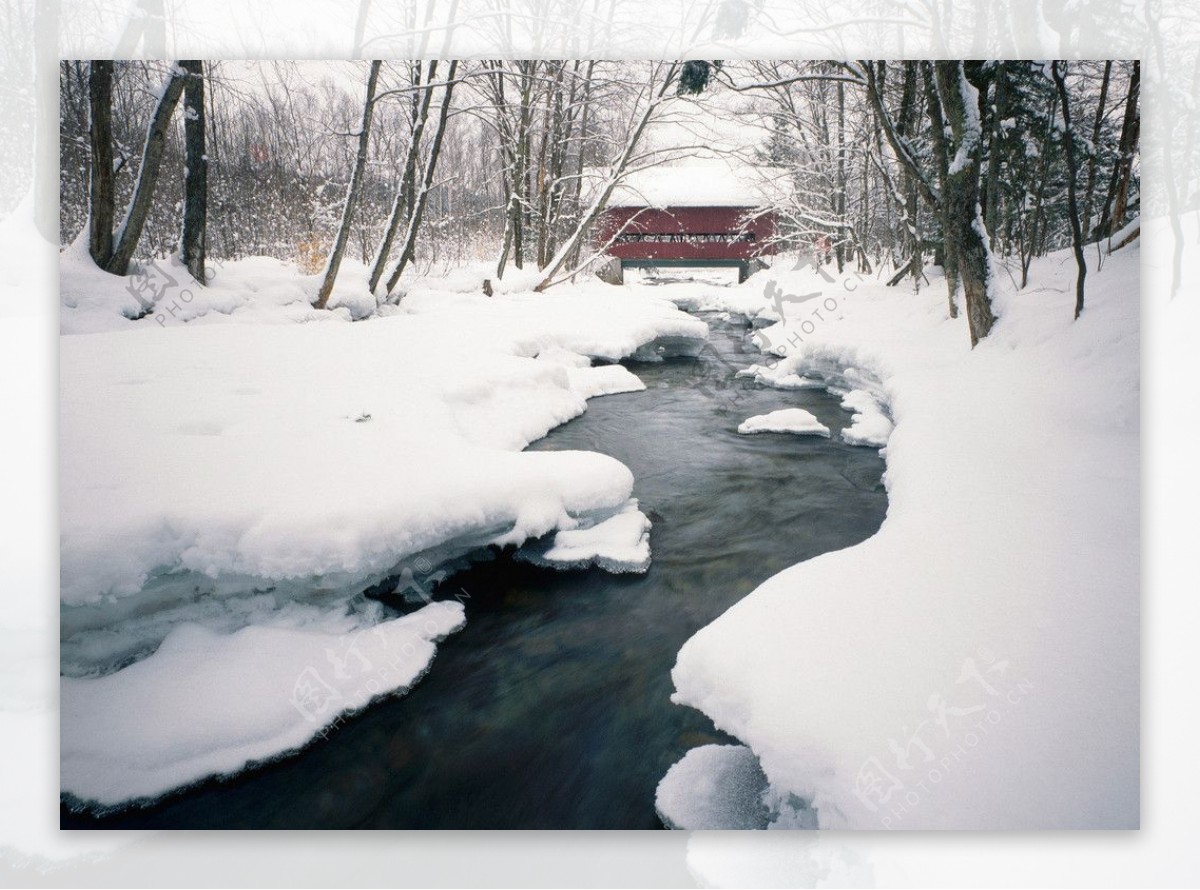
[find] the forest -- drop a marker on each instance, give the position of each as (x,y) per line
(427,165)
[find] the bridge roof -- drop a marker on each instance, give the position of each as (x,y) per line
(709,183)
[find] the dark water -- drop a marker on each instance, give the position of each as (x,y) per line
(551,708)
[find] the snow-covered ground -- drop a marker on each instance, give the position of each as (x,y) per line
(232,482)
(975,664)
(242,467)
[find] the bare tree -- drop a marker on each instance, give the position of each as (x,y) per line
(659,92)
(1122,173)
(334,262)
(130,230)
(192,242)
(1093,151)
(102,199)
(1058,72)
(991,215)
(421,198)
(403,204)
(963,222)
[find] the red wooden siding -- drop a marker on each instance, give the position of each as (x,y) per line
(686,233)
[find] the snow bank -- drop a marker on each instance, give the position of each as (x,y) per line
(620,543)
(975,664)
(288,452)
(233,472)
(208,704)
(769,376)
(786,420)
(713,786)
(870,424)
(161,294)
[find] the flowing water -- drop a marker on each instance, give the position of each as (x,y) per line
(551,708)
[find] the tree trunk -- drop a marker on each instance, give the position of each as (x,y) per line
(130,232)
(576,187)
(992,191)
(910,113)
(102,197)
(516,155)
(1036,229)
(840,207)
(1130,131)
(408,248)
(619,168)
(1090,188)
(1057,70)
(192,245)
(941,154)
(360,163)
(964,221)
(402,206)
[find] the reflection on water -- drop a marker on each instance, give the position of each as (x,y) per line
(551,708)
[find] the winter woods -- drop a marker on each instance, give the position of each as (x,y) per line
(973,166)
(411,166)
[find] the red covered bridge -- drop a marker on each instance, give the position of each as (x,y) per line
(685,217)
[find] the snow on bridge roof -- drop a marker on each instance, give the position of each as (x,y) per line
(696,184)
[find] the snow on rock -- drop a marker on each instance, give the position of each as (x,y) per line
(974,664)
(208,704)
(786,420)
(713,787)
(620,543)
(770,376)
(870,425)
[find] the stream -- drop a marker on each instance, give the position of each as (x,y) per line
(551,708)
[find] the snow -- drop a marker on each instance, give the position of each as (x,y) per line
(972,127)
(620,543)
(1126,234)
(606,380)
(770,376)
(710,182)
(870,425)
(235,475)
(786,420)
(229,450)
(713,786)
(975,664)
(208,704)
